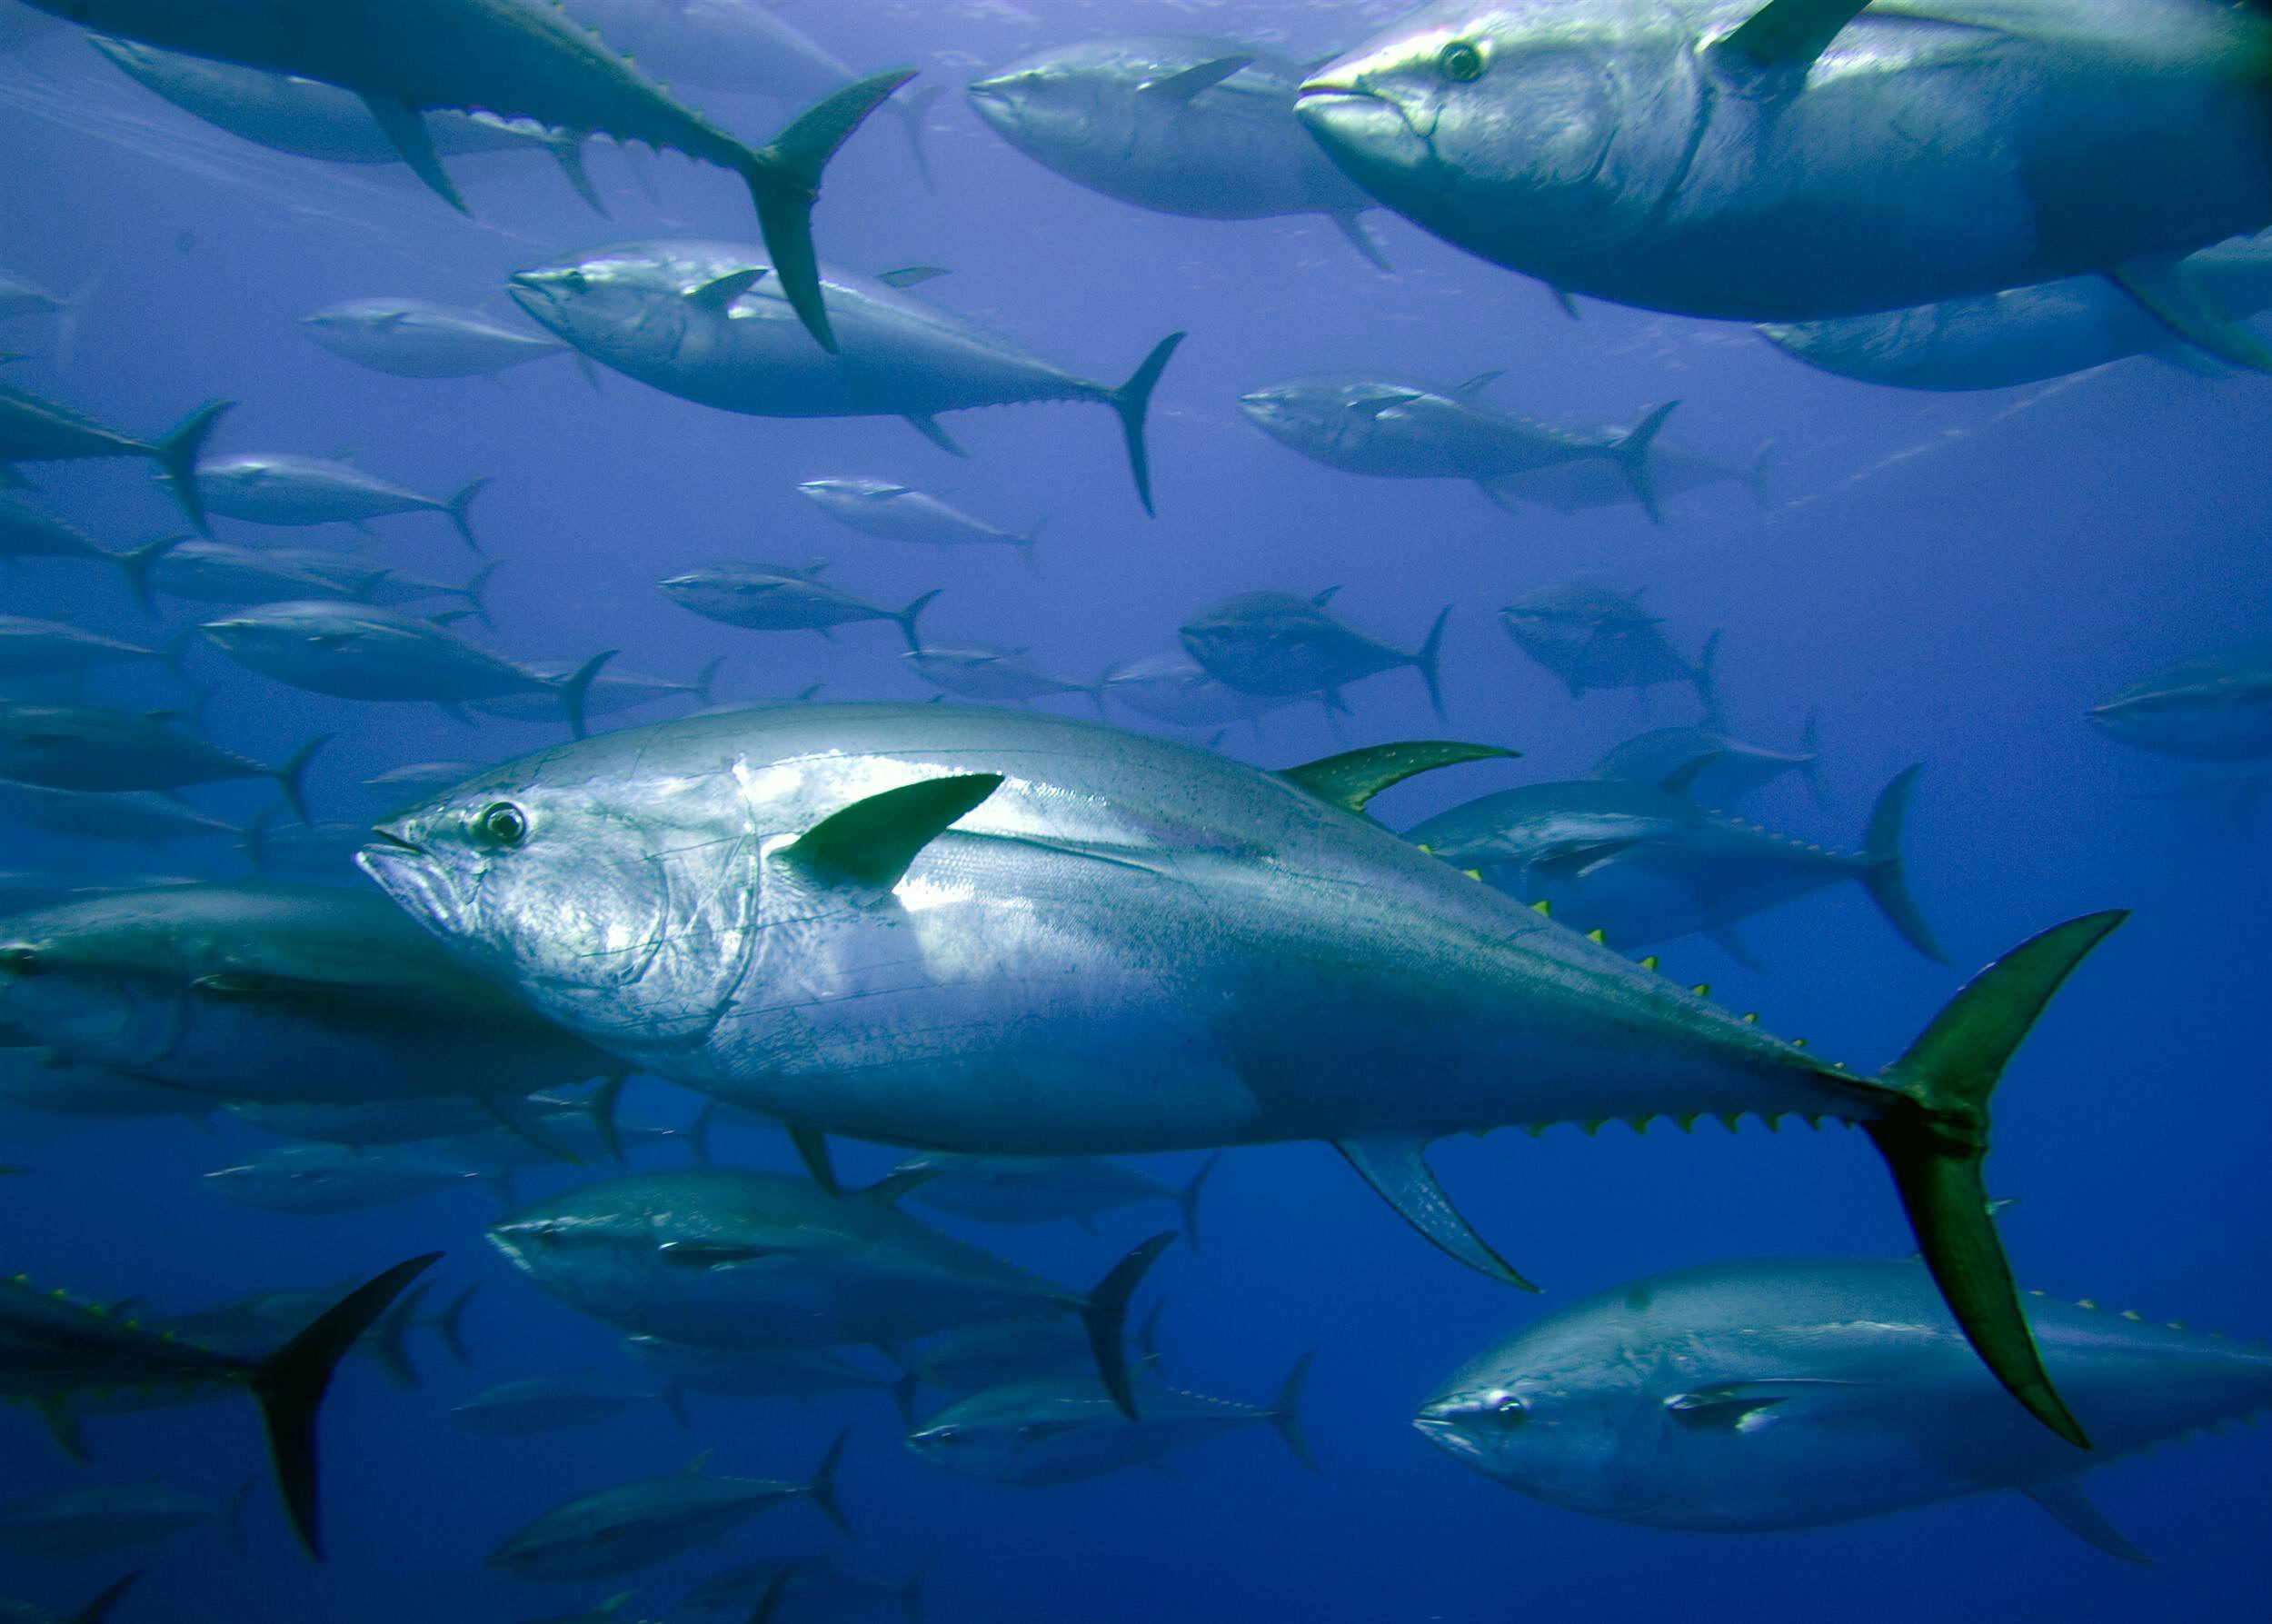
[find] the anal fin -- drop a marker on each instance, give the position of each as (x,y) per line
(2065,1500)
(1396,1165)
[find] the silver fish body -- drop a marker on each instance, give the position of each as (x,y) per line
(2216,707)
(415,338)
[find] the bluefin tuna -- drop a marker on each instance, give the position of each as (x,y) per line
(94,747)
(897,512)
(1734,769)
(776,598)
(1278,645)
(1047,1189)
(2027,335)
(742,1259)
(325,1179)
(1395,428)
(707,322)
(53,1349)
(1038,1433)
(996,675)
(1174,688)
(1176,125)
(515,61)
(1674,471)
(141,816)
(1795,160)
(610,694)
(273,488)
(25,532)
(309,119)
(2216,708)
(34,429)
(1593,636)
(359,651)
(1011,932)
(414,338)
(636,1525)
(534,1404)
(73,1524)
(1796,1393)
(48,1079)
(275,992)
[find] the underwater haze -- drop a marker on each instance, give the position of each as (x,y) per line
(1808,559)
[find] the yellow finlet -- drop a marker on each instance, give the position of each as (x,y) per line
(1543,906)
(1649,962)
(1595,937)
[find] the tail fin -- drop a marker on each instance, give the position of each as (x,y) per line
(1884,879)
(1104,1314)
(291,777)
(137,562)
(1811,755)
(388,1340)
(1633,456)
(1187,1199)
(458,505)
(1132,400)
(291,1383)
(911,111)
(177,456)
(706,682)
(1756,476)
(601,1109)
(1285,1412)
(476,592)
(770,1603)
(1934,1133)
(567,149)
(784,182)
(914,613)
(698,1133)
(574,688)
(450,1325)
(99,1610)
(822,1489)
(1430,659)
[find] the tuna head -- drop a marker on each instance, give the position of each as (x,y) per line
(621,904)
(1562,1417)
(1061,107)
(92,980)
(626,306)
(1522,131)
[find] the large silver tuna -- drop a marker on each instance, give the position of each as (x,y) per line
(2026,335)
(278,488)
(1281,646)
(1801,159)
(1176,125)
(1394,428)
(516,60)
(2216,708)
(1793,1393)
(1011,932)
(896,512)
(775,598)
(1594,636)
(34,429)
(706,321)
(94,747)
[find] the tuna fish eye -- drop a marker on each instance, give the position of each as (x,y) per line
(501,825)
(1511,1411)
(1461,62)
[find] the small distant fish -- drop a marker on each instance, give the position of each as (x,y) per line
(1598,637)
(91,747)
(1046,1189)
(36,430)
(246,1324)
(969,1358)
(774,598)
(610,694)
(535,1404)
(1790,1393)
(143,816)
(274,488)
(758,1373)
(318,1179)
(73,1524)
(363,1124)
(219,572)
(27,533)
(2215,708)
(1275,644)
(992,674)
(420,778)
(896,512)
(36,648)
(1734,769)
(53,1349)
(98,1610)
(1173,688)
(20,297)
(382,585)
(1037,1433)
(411,338)
(359,651)
(636,1525)
(1673,472)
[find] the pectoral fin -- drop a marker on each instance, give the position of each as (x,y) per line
(1576,862)
(910,275)
(928,427)
(1179,89)
(1396,1165)
(707,1254)
(2065,1500)
(717,295)
(405,127)
(2169,294)
(1735,947)
(1354,777)
(1744,1407)
(871,843)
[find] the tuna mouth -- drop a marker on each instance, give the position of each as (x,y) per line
(992,101)
(1355,124)
(389,842)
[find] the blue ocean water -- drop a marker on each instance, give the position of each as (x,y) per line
(1945,579)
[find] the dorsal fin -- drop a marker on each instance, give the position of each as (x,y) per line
(1354,777)
(1480,383)
(1681,780)
(1787,35)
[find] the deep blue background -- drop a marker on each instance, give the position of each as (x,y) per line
(1948,580)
